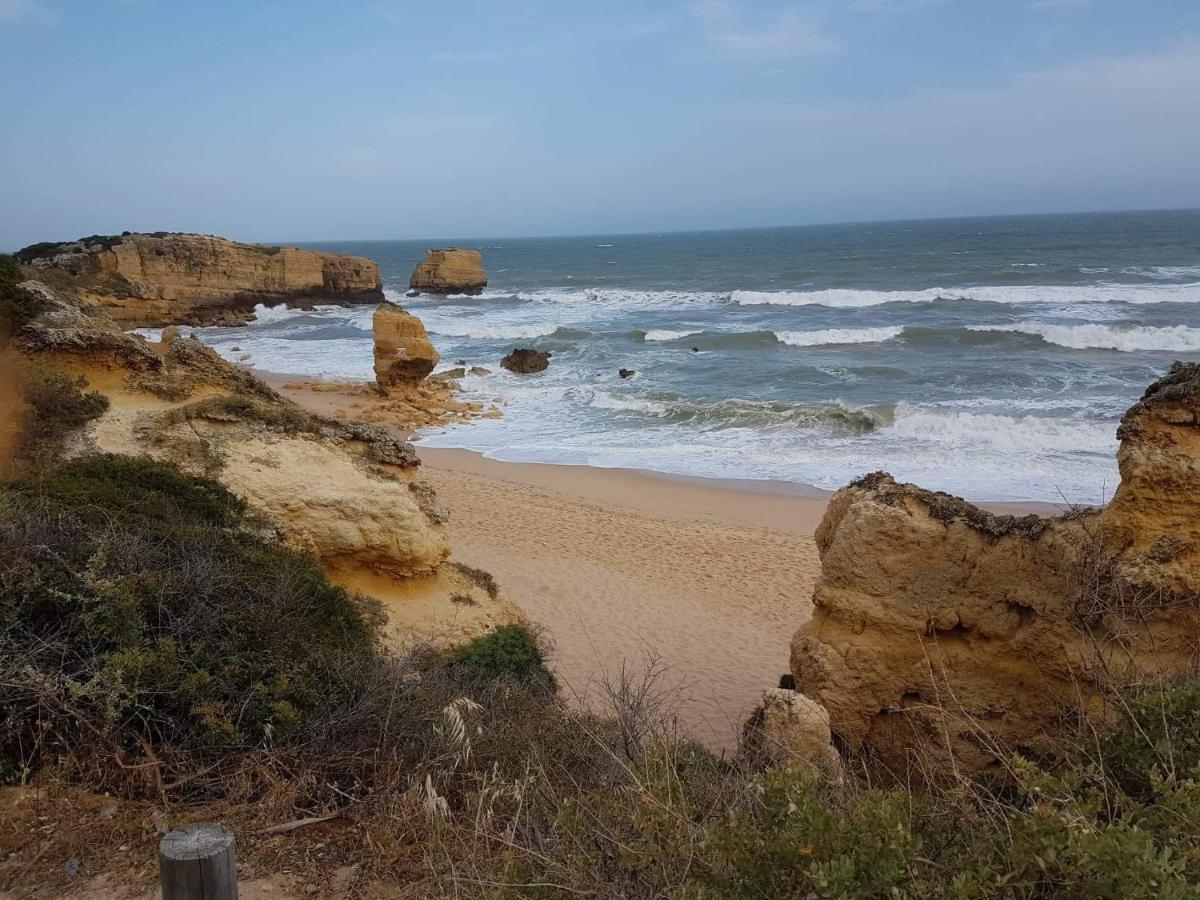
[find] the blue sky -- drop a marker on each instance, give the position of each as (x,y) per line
(388,119)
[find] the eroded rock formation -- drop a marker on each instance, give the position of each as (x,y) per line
(944,637)
(165,278)
(1153,522)
(348,492)
(403,352)
(790,729)
(450,270)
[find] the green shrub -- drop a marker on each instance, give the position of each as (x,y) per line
(511,652)
(17,306)
(57,405)
(141,604)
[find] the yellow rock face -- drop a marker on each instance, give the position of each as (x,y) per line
(449,271)
(944,638)
(153,280)
(403,352)
(1152,525)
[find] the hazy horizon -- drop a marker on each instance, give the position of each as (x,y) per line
(257,120)
(467,239)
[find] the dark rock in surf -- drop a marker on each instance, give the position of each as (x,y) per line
(525,361)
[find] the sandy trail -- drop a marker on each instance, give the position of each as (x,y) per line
(620,565)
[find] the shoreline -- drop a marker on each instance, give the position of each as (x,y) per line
(701,580)
(560,474)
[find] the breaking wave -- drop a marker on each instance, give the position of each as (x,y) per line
(484,332)
(1126,338)
(838,336)
(1101,293)
(1018,434)
(736,413)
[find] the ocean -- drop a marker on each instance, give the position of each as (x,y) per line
(988,357)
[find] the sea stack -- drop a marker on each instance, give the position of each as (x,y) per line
(403,352)
(450,270)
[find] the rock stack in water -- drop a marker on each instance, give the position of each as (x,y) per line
(403,352)
(449,270)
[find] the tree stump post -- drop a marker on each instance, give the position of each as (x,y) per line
(197,863)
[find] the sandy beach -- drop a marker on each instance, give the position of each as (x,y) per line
(705,578)
(625,567)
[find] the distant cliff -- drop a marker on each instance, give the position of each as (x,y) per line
(191,279)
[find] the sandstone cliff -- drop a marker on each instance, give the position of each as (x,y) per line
(163,279)
(403,352)
(449,271)
(349,493)
(944,637)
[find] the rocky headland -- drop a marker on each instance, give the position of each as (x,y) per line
(349,493)
(450,270)
(945,638)
(191,279)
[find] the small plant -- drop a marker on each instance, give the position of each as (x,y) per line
(511,652)
(56,406)
(17,305)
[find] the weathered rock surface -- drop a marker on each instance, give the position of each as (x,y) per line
(450,270)
(525,361)
(403,352)
(348,492)
(164,278)
(1152,525)
(944,637)
(790,729)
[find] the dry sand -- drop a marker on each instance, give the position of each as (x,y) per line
(708,577)
(622,566)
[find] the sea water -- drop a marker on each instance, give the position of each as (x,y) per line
(989,357)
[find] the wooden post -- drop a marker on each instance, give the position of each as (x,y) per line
(197,863)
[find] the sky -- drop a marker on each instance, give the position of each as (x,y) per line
(362,119)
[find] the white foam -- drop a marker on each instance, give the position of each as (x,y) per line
(268,315)
(662,334)
(1031,435)
(838,336)
(1126,338)
(340,358)
(607,298)
(1102,293)
(484,332)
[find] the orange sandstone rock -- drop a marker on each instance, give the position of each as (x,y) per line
(449,271)
(403,352)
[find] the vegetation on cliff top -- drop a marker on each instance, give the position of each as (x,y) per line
(17,306)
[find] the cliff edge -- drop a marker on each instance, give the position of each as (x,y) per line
(944,637)
(348,493)
(191,279)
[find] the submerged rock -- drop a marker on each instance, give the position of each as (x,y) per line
(450,270)
(525,361)
(404,354)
